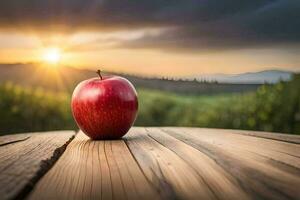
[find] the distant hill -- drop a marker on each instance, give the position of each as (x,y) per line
(66,78)
(268,76)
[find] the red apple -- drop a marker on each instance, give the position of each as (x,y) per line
(105,107)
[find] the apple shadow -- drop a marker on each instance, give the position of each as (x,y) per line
(105,139)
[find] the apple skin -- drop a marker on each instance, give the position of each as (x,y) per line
(105,108)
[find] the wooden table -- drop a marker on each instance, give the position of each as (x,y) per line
(151,163)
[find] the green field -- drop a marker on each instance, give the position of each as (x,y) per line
(271,108)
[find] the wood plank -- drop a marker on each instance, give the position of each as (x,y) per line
(95,170)
(172,163)
(254,162)
(274,136)
(166,170)
(222,184)
(9,139)
(26,157)
(261,134)
(283,152)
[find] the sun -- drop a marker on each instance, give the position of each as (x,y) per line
(52,55)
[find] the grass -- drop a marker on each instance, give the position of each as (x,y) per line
(271,108)
(25,109)
(169,109)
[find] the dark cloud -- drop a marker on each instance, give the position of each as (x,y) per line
(191,24)
(273,24)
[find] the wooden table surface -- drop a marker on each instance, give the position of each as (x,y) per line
(151,163)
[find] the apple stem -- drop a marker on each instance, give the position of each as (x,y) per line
(99,73)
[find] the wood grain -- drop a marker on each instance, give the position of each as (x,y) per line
(273,136)
(26,157)
(163,163)
(95,170)
(257,163)
(190,173)
(9,139)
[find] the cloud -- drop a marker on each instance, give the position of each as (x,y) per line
(193,25)
(273,24)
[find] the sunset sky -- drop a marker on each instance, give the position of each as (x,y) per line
(153,37)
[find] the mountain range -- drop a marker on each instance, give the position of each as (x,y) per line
(267,76)
(66,78)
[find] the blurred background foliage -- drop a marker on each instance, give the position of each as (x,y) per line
(24,109)
(273,108)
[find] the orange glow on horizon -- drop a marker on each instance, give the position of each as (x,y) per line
(91,50)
